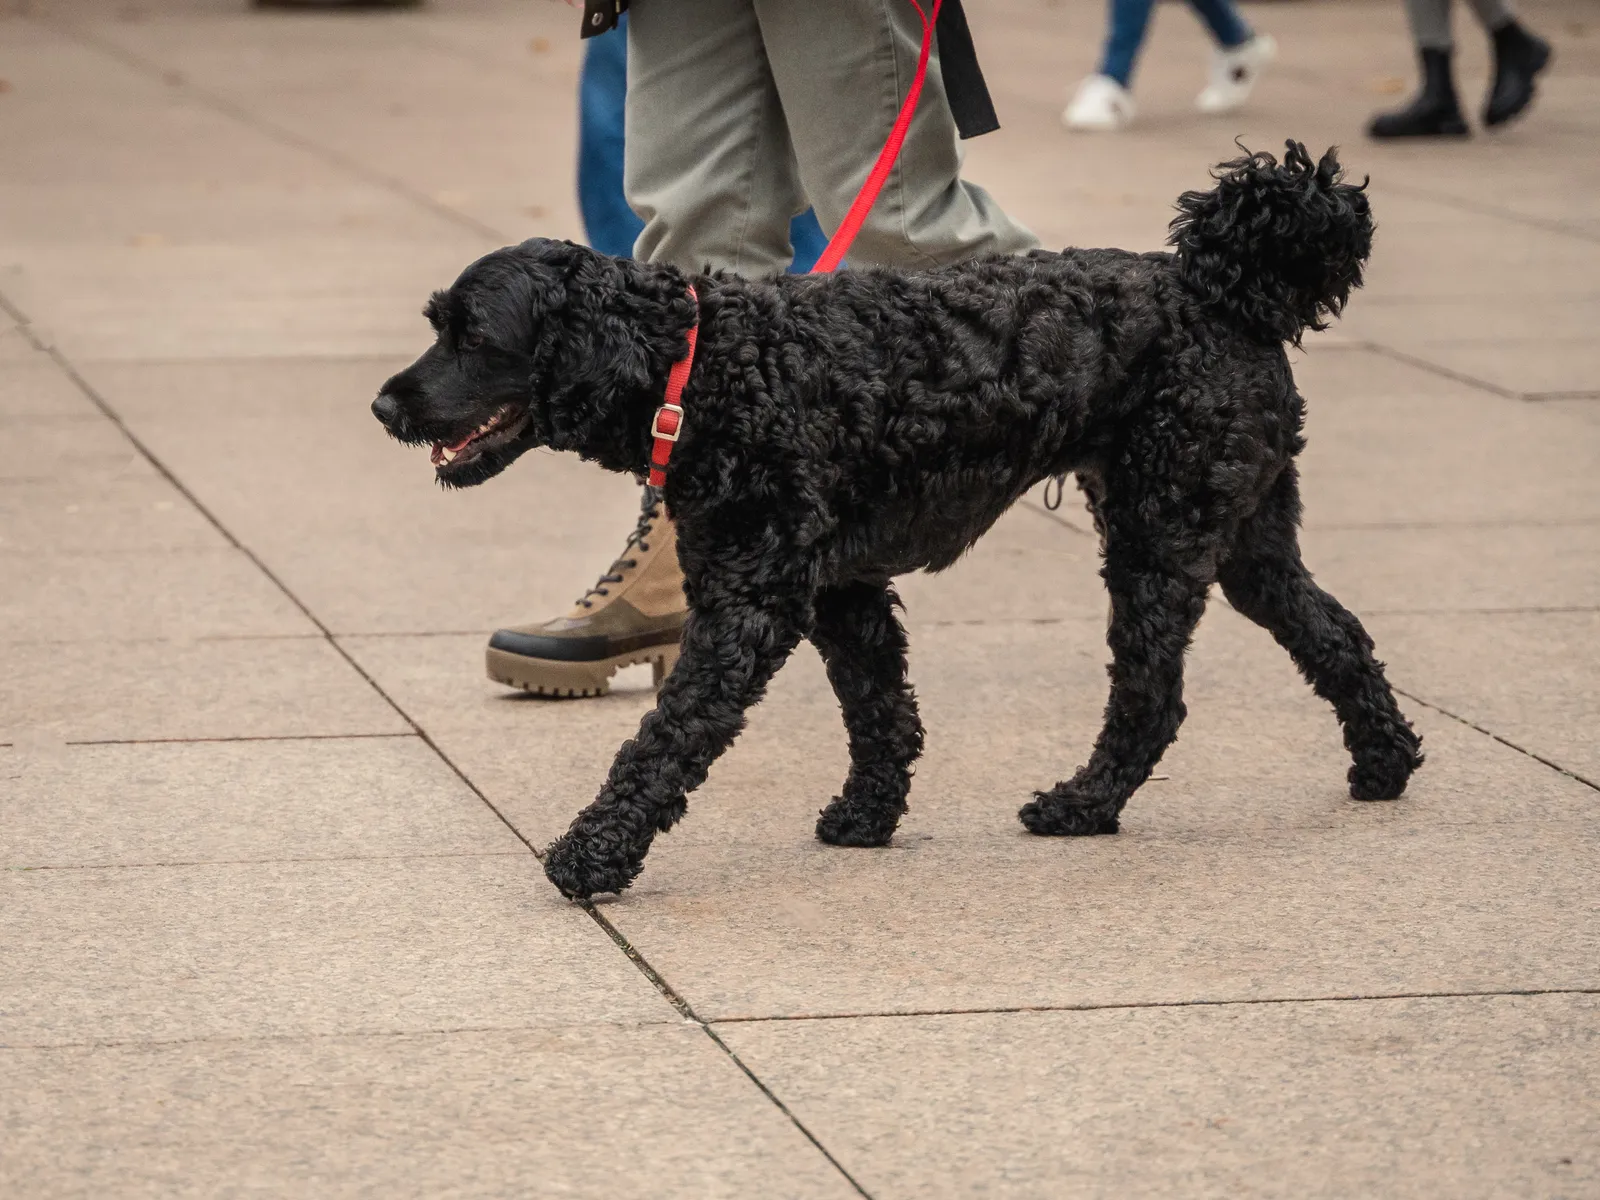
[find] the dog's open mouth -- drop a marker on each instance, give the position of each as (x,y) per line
(506,423)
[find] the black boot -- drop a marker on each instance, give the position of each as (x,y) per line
(1433,112)
(1518,57)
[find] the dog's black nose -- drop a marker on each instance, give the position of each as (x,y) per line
(386,408)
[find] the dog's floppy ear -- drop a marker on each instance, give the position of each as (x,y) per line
(629,318)
(621,325)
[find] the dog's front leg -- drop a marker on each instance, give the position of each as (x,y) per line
(730,651)
(1158,575)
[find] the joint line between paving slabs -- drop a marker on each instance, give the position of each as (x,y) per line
(1136,1005)
(1433,368)
(683,1006)
(1489,733)
(1461,204)
(638,960)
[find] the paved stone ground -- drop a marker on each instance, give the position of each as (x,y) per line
(270,923)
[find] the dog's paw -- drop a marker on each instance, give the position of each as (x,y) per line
(582,867)
(1382,774)
(1061,812)
(853,821)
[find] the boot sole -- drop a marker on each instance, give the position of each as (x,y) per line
(575,680)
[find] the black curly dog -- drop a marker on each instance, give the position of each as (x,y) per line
(842,429)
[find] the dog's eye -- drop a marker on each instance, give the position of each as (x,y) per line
(471,341)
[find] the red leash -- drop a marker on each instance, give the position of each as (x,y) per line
(668,423)
(839,243)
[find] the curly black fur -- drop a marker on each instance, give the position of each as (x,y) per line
(844,429)
(1275,248)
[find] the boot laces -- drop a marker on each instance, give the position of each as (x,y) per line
(636,540)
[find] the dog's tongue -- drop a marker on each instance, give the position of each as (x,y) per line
(439,448)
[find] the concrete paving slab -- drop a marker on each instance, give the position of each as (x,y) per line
(287,949)
(402,67)
(1452,568)
(600,1111)
(124,511)
(161,281)
(1471,1097)
(193,802)
(107,599)
(15,347)
(1468,318)
(250,687)
(1586,408)
(1390,443)
(111,122)
(999,919)
(1029,567)
(69,448)
(36,387)
(316,297)
(1533,678)
(1528,366)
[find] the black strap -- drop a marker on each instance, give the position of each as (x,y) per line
(601,16)
(970,103)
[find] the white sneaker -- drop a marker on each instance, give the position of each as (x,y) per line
(1101,103)
(1234,73)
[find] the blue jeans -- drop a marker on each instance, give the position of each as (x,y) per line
(609,223)
(1130,19)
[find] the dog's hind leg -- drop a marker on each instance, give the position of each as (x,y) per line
(730,650)
(1265,580)
(1158,577)
(862,643)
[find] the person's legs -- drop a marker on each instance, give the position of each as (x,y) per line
(1519,56)
(1430,24)
(1103,102)
(1224,21)
(1434,111)
(841,68)
(1128,22)
(1491,13)
(1240,57)
(710,170)
(609,224)
(710,165)
(808,240)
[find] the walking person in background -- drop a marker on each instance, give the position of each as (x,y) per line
(1434,111)
(738,112)
(1104,101)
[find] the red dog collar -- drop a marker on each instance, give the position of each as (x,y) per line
(669,417)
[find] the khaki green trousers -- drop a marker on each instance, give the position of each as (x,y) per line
(742,112)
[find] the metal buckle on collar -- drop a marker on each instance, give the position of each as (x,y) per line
(668,435)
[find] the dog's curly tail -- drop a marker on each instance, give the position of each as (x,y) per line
(1276,248)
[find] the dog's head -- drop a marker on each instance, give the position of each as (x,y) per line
(542,344)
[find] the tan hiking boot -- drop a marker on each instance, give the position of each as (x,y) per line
(633,614)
